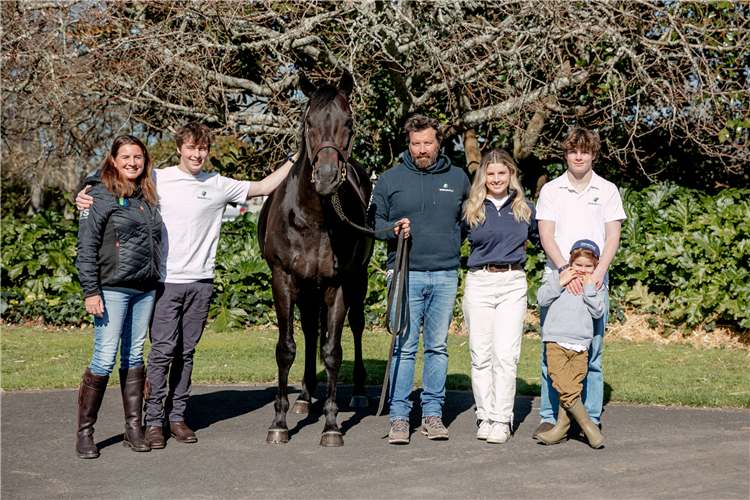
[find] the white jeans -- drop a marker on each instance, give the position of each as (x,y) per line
(495,307)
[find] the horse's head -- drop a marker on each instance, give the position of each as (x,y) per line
(328,131)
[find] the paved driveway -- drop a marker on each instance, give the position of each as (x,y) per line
(650,452)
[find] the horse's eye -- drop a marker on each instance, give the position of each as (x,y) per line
(350,123)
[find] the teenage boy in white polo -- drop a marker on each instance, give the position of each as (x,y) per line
(579,205)
(191,203)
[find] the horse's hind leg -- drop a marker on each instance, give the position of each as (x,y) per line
(330,352)
(308,308)
(283,297)
(357,324)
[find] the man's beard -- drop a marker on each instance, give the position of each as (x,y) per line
(424,162)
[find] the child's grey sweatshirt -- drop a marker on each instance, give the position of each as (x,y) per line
(570,318)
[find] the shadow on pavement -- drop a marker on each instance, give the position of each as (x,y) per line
(203,410)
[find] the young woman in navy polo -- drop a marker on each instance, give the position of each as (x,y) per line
(498,220)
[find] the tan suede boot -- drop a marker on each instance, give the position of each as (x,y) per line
(578,411)
(560,431)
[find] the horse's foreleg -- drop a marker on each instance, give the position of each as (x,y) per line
(284,296)
(308,308)
(357,324)
(331,354)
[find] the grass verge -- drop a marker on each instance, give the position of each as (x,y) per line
(37,358)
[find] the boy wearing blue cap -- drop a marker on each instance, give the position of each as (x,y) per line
(567,334)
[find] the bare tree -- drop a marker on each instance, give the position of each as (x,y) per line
(514,74)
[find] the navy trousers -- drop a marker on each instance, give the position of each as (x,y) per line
(180,314)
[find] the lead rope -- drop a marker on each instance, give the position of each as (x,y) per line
(398,289)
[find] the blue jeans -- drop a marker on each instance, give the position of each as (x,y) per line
(431,295)
(592,394)
(126,317)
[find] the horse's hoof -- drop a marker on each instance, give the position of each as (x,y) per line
(359,402)
(300,407)
(277,436)
(332,438)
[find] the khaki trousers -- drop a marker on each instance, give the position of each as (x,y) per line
(567,369)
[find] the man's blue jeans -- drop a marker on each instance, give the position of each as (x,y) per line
(432,295)
(593,385)
(126,317)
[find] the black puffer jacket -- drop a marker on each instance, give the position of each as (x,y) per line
(119,243)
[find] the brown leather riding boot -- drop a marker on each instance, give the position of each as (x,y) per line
(132,381)
(90,397)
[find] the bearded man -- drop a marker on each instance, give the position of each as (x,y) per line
(425,193)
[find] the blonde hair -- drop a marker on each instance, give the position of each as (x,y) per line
(474,208)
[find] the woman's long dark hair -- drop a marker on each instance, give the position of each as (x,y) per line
(120,186)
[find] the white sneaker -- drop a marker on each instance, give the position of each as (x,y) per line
(484,429)
(499,433)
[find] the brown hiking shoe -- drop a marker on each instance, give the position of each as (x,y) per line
(433,428)
(399,432)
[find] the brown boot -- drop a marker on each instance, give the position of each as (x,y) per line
(543,427)
(560,431)
(181,433)
(578,411)
(155,436)
(90,397)
(131,385)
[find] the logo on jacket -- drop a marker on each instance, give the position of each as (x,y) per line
(445,188)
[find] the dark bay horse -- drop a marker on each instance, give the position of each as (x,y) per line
(318,262)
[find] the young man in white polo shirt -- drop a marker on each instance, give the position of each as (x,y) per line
(575,206)
(191,203)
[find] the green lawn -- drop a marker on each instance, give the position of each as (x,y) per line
(35,358)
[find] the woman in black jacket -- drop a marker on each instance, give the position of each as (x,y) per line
(119,264)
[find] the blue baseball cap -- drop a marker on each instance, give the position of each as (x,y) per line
(588,245)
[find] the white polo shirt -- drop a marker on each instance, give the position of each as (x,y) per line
(191,207)
(579,216)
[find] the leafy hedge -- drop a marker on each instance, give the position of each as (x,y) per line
(683,259)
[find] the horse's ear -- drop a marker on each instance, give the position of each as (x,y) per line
(346,84)
(306,86)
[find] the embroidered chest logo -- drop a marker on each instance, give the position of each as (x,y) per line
(595,201)
(445,188)
(202,196)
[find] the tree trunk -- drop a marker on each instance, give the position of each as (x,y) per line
(471,145)
(37,198)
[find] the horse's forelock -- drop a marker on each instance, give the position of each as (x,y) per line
(323,96)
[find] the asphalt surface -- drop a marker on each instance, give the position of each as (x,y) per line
(650,452)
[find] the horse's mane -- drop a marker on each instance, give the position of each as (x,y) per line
(323,96)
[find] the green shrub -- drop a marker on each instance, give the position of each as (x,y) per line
(39,277)
(685,256)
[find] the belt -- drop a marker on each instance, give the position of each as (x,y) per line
(501,268)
